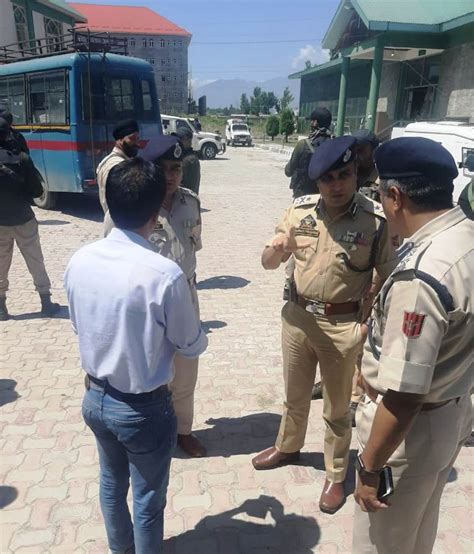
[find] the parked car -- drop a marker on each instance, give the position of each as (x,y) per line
(237,132)
(208,145)
(455,136)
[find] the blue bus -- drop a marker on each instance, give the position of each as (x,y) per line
(67,105)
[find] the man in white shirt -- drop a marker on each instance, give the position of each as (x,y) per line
(127,143)
(132,311)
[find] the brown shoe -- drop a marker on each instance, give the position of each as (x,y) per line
(272,457)
(192,446)
(332,498)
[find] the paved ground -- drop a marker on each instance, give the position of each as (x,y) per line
(49,471)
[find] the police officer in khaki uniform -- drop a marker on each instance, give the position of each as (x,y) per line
(337,239)
(177,235)
(367,175)
(418,361)
(127,142)
(20,182)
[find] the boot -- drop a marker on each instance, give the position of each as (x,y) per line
(4,315)
(48,308)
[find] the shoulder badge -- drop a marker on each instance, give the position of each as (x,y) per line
(412,324)
(306,200)
(370,206)
(189,194)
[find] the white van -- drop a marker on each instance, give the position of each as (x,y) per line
(455,136)
(208,145)
(237,132)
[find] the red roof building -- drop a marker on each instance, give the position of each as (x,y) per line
(128,20)
(153,38)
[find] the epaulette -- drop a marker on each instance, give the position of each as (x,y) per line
(189,192)
(371,206)
(307,200)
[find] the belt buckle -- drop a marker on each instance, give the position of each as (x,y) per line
(316,307)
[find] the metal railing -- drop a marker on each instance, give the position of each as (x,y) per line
(76,40)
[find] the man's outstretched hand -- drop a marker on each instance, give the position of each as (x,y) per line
(288,243)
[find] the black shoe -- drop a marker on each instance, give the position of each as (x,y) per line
(353,412)
(4,315)
(48,308)
(317,393)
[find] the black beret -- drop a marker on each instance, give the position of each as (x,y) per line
(184,133)
(125,128)
(405,157)
(4,127)
(364,135)
(7,116)
(164,147)
(322,116)
(331,154)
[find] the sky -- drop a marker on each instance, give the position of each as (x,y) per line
(270,38)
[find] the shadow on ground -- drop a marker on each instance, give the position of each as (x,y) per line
(7,391)
(53,222)
(7,495)
(209,326)
(83,206)
(62,314)
(223,282)
(273,532)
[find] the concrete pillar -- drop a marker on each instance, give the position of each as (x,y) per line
(341,108)
(374,86)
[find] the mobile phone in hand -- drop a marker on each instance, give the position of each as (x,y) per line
(386,484)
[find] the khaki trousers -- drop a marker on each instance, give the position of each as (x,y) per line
(333,343)
(420,466)
(27,238)
(184,383)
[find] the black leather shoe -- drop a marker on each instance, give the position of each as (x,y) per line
(4,315)
(48,308)
(317,393)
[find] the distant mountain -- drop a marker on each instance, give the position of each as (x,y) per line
(224,92)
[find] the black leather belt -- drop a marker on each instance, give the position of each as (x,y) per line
(92,382)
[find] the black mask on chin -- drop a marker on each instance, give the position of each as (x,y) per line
(129,150)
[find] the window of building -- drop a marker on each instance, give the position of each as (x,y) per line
(53,30)
(131,42)
(21,26)
(144,42)
(121,101)
(174,61)
(169,43)
(151,43)
(163,62)
(12,95)
(48,98)
(151,60)
(163,78)
(168,62)
(162,43)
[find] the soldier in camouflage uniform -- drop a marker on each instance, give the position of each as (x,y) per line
(297,167)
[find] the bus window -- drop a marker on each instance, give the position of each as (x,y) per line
(48,98)
(96,97)
(122,102)
(12,95)
(147,99)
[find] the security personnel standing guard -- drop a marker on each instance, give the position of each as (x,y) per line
(17,139)
(177,236)
(127,142)
(191,164)
(337,239)
(367,174)
(19,184)
(297,167)
(418,363)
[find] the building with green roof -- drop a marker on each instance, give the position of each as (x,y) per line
(393,62)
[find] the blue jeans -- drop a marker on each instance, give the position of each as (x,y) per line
(135,442)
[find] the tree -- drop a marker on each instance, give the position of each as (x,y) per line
(226,111)
(244,104)
(273,126)
(308,64)
(287,123)
(286,99)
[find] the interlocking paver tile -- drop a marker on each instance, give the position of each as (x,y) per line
(49,488)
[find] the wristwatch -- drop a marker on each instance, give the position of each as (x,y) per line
(361,469)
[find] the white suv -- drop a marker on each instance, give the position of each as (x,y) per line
(208,145)
(237,132)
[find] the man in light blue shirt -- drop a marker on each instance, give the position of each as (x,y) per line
(132,311)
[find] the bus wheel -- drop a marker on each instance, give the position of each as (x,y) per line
(209,151)
(47,200)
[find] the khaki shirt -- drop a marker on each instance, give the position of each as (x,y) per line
(424,349)
(114,158)
(327,270)
(177,233)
